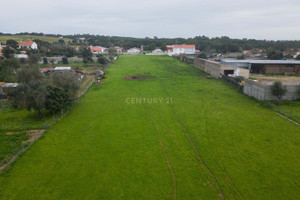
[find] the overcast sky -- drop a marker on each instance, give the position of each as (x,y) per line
(258,19)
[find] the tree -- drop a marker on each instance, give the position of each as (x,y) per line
(27,73)
(298,57)
(12,43)
(61,41)
(31,95)
(68,80)
(241,57)
(86,54)
(45,61)
(57,99)
(202,55)
(4,73)
(65,60)
(151,47)
(102,60)
(112,51)
(163,47)
(274,54)
(11,63)
(8,52)
(34,58)
(278,90)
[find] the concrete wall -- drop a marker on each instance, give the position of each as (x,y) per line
(263,91)
(281,69)
(216,68)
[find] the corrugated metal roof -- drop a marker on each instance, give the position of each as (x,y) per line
(287,62)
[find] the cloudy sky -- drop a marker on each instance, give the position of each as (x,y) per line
(258,19)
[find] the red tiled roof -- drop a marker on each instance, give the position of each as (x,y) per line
(2,83)
(96,48)
(182,46)
(26,43)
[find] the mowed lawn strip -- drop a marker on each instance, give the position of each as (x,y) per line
(110,146)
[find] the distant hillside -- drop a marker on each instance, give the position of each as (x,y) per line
(18,38)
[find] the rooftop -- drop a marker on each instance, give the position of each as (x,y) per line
(295,62)
(26,43)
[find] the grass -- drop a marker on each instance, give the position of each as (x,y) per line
(211,140)
(291,109)
(10,145)
(18,121)
(18,38)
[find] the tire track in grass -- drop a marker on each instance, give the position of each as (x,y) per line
(165,152)
(162,146)
(222,196)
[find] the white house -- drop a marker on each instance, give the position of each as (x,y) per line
(177,49)
(62,68)
(22,55)
(119,50)
(134,51)
(28,45)
(97,49)
(157,52)
(298,53)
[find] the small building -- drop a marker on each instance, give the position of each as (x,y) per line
(215,69)
(25,56)
(97,49)
(134,51)
(119,50)
(62,68)
(6,88)
(178,49)
(296,54)
(27,45)
(284,67)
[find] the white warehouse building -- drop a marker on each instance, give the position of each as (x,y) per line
(178,49)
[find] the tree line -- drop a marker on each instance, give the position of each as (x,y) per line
(203,43)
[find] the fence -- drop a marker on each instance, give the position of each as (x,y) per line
(232,81)
(263,91)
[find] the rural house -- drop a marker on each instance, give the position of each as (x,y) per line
(28,45)
(97,49)
(134,51)
(178,49)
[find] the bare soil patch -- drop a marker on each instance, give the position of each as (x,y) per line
(262,78)
(134,77)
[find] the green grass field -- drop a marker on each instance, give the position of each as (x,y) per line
(18,38)
(200,139)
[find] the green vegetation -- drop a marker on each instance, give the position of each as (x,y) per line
(10,145)
(18,38)
(202,140)
(290,109)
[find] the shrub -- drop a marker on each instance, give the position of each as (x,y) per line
(65,60)
(278,90)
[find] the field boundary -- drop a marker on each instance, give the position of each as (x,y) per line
(287,118)
(14,157)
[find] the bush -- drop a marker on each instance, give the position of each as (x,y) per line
(45,61)
(278,90)
(57,99)
(65,60)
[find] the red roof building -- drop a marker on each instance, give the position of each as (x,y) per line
(28,45)
(177,49)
